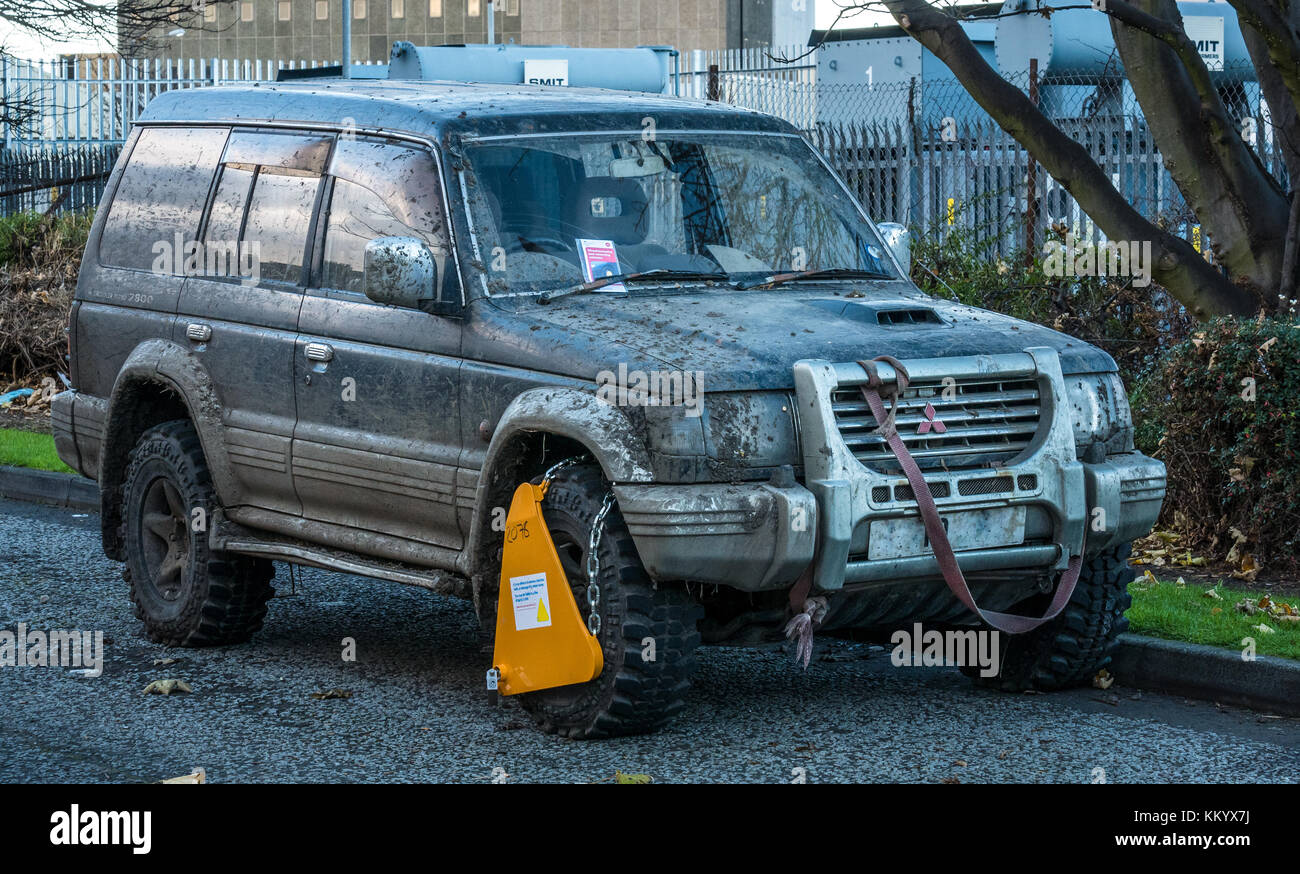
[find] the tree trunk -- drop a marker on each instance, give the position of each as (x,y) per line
(1200,286)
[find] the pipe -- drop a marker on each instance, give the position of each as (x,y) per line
(347,39)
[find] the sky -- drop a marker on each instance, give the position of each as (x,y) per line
(22,45)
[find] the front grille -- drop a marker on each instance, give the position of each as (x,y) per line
(988,422)
(987,485)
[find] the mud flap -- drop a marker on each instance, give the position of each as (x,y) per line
(541,639)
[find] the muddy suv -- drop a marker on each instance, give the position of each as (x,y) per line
(337,324)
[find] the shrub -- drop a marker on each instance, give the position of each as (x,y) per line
(1222,410)
(39,259)
(1133,324)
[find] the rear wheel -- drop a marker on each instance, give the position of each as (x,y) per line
(648,633)
(1073,647)
(185,593)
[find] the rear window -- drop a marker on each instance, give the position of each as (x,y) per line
(161,194)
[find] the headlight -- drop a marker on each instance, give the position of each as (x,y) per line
(740,436)
(1100,414)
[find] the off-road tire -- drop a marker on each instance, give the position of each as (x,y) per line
(632,695)
(1073,647)
(207,598)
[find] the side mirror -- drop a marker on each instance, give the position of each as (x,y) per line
(899,240)
(401,272)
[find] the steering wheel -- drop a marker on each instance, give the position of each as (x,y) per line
(555,242)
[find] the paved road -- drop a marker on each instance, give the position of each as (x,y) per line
(417,714)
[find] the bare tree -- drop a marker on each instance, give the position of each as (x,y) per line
(1252,222)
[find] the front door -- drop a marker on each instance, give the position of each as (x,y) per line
(378,432)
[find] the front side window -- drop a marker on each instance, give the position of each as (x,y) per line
(738,206)
(380,190)
(161,195)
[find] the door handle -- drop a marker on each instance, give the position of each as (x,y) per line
(319,352)
(199,333)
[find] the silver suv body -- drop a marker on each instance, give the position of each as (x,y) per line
(340,430)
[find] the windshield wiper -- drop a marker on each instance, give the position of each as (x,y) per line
(829,273)
(657,273)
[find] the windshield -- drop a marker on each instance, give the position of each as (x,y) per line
(550,213)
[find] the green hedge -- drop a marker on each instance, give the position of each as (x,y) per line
(1222,410)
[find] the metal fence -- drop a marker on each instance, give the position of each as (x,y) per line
(918,152)
(64,121)
(925,154)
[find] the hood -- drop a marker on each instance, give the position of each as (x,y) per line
(749,340)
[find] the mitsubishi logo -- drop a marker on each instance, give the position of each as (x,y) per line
(932,422)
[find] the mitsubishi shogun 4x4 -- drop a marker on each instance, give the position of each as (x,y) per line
(338,323)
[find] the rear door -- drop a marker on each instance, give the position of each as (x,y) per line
(240,312)
(130,291)
(378,435)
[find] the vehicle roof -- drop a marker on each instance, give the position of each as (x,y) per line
(455,108)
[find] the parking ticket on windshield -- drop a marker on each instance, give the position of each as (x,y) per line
(600,259)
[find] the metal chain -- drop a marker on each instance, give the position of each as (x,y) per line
(559,466)
(593,544)
(593,565)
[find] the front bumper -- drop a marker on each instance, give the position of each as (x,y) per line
(749,536)
(761,536)
(1061,497)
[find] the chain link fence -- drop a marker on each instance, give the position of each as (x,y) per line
(924,153)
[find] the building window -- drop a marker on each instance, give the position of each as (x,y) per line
(322,10)
(435,8)
(246,11)
(512,8)
(209,12)
(474,10)
(358,8)
(397,9)
(285,10)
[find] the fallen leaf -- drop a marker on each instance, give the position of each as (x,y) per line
(620,777)
(1262,628)
(166,687)
(1103,679)
(198,775)
(330,694)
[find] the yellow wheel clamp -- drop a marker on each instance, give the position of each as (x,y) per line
(541,638)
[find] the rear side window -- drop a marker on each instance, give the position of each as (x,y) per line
(263,204)
(279,213)
(161,195)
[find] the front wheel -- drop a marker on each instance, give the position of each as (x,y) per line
(1073,647)
(648,632)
